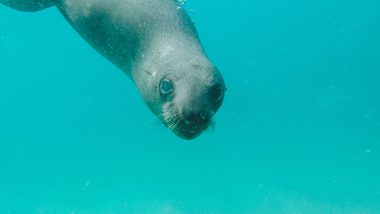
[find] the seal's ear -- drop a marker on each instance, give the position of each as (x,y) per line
(29,5)
(148,72)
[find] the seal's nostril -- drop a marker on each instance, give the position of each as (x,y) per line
(203,115)
(216,94)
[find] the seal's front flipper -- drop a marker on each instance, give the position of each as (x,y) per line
(29,5)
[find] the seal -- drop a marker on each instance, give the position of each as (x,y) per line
(157,45)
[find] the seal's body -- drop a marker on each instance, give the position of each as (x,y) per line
(156,44)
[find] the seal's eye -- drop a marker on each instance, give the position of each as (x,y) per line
(166,87)
(216,94)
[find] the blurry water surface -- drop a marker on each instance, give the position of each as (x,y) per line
(299,131)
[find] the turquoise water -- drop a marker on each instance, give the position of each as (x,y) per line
(299,131)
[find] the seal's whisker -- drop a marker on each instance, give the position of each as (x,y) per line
(180,124)
(211,127)
(165,116)
(171,119)
(173,123)
(176,124)
(160,116)
(155,121)
(171,126)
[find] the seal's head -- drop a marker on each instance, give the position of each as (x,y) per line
(186,96)
(189,100)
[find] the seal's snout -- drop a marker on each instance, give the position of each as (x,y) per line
(196,108)
(196,117)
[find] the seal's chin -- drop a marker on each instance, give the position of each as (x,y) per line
(189,130)
(185,124)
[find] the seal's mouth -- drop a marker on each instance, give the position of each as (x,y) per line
(186,127)
(189,130)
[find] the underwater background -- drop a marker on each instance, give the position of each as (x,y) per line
(298,133)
